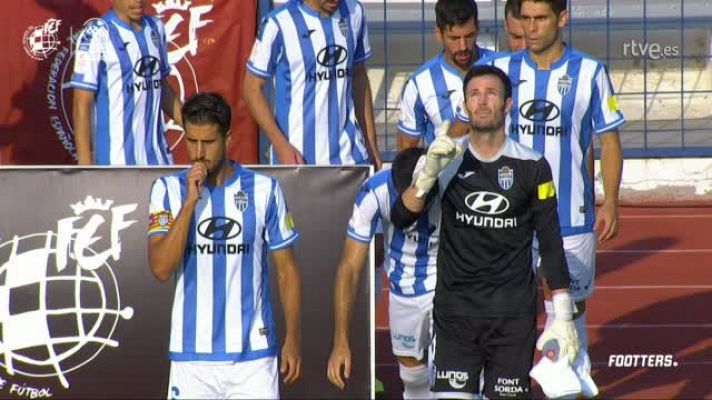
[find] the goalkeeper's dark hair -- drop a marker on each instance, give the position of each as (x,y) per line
(403,166)
(482,70)
(556,5)
(207,108)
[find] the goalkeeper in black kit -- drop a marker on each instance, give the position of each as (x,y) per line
(495,194)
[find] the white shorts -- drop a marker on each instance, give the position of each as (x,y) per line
(254,379)
(580,252)
(410,320)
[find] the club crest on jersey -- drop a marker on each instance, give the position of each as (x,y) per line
(505,177)
(241,200)
(342,26)
(564,84)
(154,38)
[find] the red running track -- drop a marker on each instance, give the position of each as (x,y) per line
(653,297)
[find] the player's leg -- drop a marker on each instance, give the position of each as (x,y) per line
(457,359)
(409,321)
(508,345)
(253,379)
(193,380)
(580,253)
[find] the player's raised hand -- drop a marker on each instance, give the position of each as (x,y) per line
(290,362)
(196,179)
(442,151)
(340,358)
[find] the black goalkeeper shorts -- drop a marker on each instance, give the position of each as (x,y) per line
(503,347)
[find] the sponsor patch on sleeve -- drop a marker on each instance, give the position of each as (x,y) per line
(160,221)
(613,104)
(289,221)
(547,190)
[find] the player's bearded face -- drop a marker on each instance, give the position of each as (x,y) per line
(485,104)
(207,145)
(459,43)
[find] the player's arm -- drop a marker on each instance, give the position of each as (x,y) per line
(82,110)
(267,52)
(165,251)
(607,119)
(252,93)
(290,294)
(347,276)
(170,103)
(611,171)
(551,250)
(363,103)
(412,120)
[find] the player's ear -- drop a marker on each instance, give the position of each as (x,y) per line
(438,34)
(228,136)
(563,19)
(507,105)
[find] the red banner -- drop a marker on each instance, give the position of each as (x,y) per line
(209,43)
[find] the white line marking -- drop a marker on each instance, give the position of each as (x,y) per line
(647,326)
(656,287)
(652,216)
(623,326)
(665,251)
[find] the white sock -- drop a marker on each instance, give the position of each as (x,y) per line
(415,381)
(580,324)
(582,363)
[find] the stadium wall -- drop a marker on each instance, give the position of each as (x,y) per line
(663,182)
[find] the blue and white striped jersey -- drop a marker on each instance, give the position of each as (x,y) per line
(431,96)
(125,68)
(222,309)
(311,59)
(411,253)
(556,112)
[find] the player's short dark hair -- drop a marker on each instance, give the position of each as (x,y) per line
(403,166)
(454,12)
(482,70)
(556,5)
(207,108)
(512,7)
